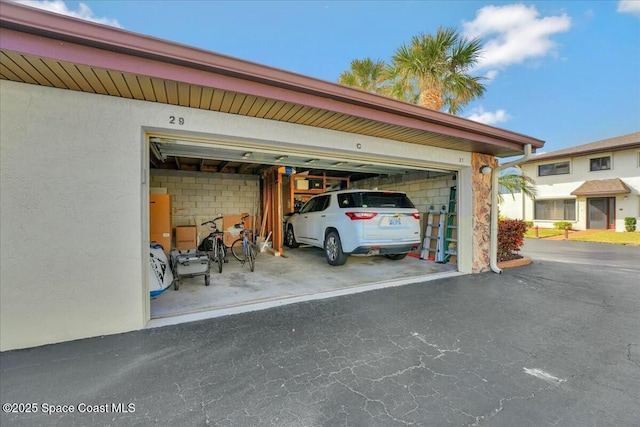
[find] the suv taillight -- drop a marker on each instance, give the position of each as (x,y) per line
(416,215)
(360,215)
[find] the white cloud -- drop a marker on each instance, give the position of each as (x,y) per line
(488,117)
(629,6)
(513,34)
(491,74)
(59,6)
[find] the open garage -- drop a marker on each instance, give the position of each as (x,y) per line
(204,179)
(95,120)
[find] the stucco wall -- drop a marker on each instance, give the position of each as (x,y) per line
(512,206)
(71,263)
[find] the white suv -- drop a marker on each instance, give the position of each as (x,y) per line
(362,222)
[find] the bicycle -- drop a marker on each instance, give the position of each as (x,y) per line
(243,249)
(214,245)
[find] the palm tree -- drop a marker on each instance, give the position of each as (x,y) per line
(515,182)
(365,74)
(434,70)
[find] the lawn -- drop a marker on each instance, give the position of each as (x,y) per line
(543,232)
(622,238)
(625,238)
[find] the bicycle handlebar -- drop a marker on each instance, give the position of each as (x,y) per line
(241,223)
(212,221)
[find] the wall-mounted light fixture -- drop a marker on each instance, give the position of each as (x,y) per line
(281,158)
(312,160)
(485,170)
(338,164)
(247,154)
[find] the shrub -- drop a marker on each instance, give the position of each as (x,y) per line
(561,225)
(630,223)
(529,224)
(510,238)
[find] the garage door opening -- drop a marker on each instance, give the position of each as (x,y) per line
(204,179)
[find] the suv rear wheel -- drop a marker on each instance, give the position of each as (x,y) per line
(333,249)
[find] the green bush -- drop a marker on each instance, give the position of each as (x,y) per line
(529,224)
(630,223)
(510,238)
(561,225)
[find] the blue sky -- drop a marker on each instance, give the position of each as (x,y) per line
(567,72)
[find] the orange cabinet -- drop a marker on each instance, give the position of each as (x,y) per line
(160,220)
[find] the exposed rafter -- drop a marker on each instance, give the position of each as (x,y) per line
(246,167)
(222,165)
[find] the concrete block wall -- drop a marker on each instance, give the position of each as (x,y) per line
(424,188)
(198,195)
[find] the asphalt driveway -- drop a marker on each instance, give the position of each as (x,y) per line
(593,254)
(552,343)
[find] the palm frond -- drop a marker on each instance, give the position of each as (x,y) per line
(514,182)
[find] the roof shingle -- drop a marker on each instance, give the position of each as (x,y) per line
(601,187)
(623,142)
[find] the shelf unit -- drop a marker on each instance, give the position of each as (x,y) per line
(315,184)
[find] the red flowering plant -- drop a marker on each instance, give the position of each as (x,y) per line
(510,238)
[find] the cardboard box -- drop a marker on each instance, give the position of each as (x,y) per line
(186,237)
(302,184)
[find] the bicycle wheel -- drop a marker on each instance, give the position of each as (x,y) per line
(206,245)
(251,256)
(236,250)
(220,255)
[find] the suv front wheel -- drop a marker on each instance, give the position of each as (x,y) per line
(333,249)
(290,238)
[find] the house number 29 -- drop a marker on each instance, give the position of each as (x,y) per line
(173,120)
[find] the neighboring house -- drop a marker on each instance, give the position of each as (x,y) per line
(592,186)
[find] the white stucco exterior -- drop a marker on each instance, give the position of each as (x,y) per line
(74,198)
(71,224)
(625,164)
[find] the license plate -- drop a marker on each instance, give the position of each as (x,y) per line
(395,221)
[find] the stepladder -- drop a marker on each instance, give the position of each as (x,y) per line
(433,242)
(450,242)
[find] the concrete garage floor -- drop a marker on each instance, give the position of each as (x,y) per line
(301,274)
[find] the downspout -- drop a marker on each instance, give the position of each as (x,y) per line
(493,261)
